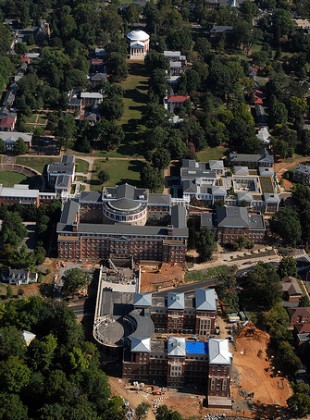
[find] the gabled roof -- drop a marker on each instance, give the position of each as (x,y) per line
(28,337)
(143,300)
(301,311)
(178,98)
(241,170)
(176,347)
(291,286)
(245,196)
(175,300)
(232,216)
(219,353)
(216,164)
(140,345)
(205,299)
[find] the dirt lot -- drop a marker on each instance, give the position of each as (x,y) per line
(285,165)
(250,362)
(154,277)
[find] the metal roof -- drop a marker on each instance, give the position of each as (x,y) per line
(143,300)
(140,345)
(178,216)
(219,353)
(205,299)
(176,347)
(175,300)
(232,216)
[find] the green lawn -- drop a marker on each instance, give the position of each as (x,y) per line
(8,179)
(37,163)
(120,171)
(81,166)
(214,153)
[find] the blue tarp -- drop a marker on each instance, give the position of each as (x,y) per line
(196,347)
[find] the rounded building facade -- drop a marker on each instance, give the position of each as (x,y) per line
(139,44)
(126,211)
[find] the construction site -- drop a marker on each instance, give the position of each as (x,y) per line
(156,276)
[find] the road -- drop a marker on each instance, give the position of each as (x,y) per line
(83,307)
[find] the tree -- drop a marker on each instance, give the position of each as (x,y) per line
(155,115)
(163,413)
(277,321)
(304,301)
(2,147)
(285,223)
(15,375)
(299,404)
(117,67)
(13,230)
(151,177)
(142,410)
(205,244)
(277,112)
(155,60)
(264,288)
(20,147)
(112,108)
(161,159)
(108,135)
(66,130)
(12,408)
(287,267)
(12,342)
(73,280)
(287,359)
(103,176)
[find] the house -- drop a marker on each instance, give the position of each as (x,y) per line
(60,175)
(173,102)
(254,160)
(28,337)
(175,56)
(96,79)
(229,222)
(302,174)
(216,4)
(8,121)
(261,117)
(291,289)
(74,102)
(303,25)
(10,138)
(139,44)
(264,136)
(218,31)
(14,276)
(91,98)
(299,315)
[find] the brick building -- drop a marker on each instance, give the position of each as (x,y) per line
(230,222)
(145,327)
(123,222)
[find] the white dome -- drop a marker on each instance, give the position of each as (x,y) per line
(138,35)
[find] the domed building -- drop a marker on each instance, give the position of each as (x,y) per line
(139,44)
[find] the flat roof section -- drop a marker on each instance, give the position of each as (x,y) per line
(196,347)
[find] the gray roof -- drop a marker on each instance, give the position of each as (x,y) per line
(219,29)
(175,300)
(218,190)
(205,299)
(272,198)
(176,346)
(144,325)
(69,213)
(251,157)
(140,345)
(178,216)
(256,221)
(68,159)
(124,204)
(63,182)
(159,199)
(241,170)
(58,168)
(216,164)
(124,191)
(232,216)
(142,300)
(98,77)
(120,229)
(191,170)
(189,186)
(266,171)
(219,353)
(206,220)
(90,197)
(245,196)
(291,286)
(303,169)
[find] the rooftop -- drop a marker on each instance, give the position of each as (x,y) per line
(219,352)
(196,347)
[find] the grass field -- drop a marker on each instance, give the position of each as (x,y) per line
(211,154)
(37,163)
(266,184)
(8,179)
(81,166)
(120,171)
